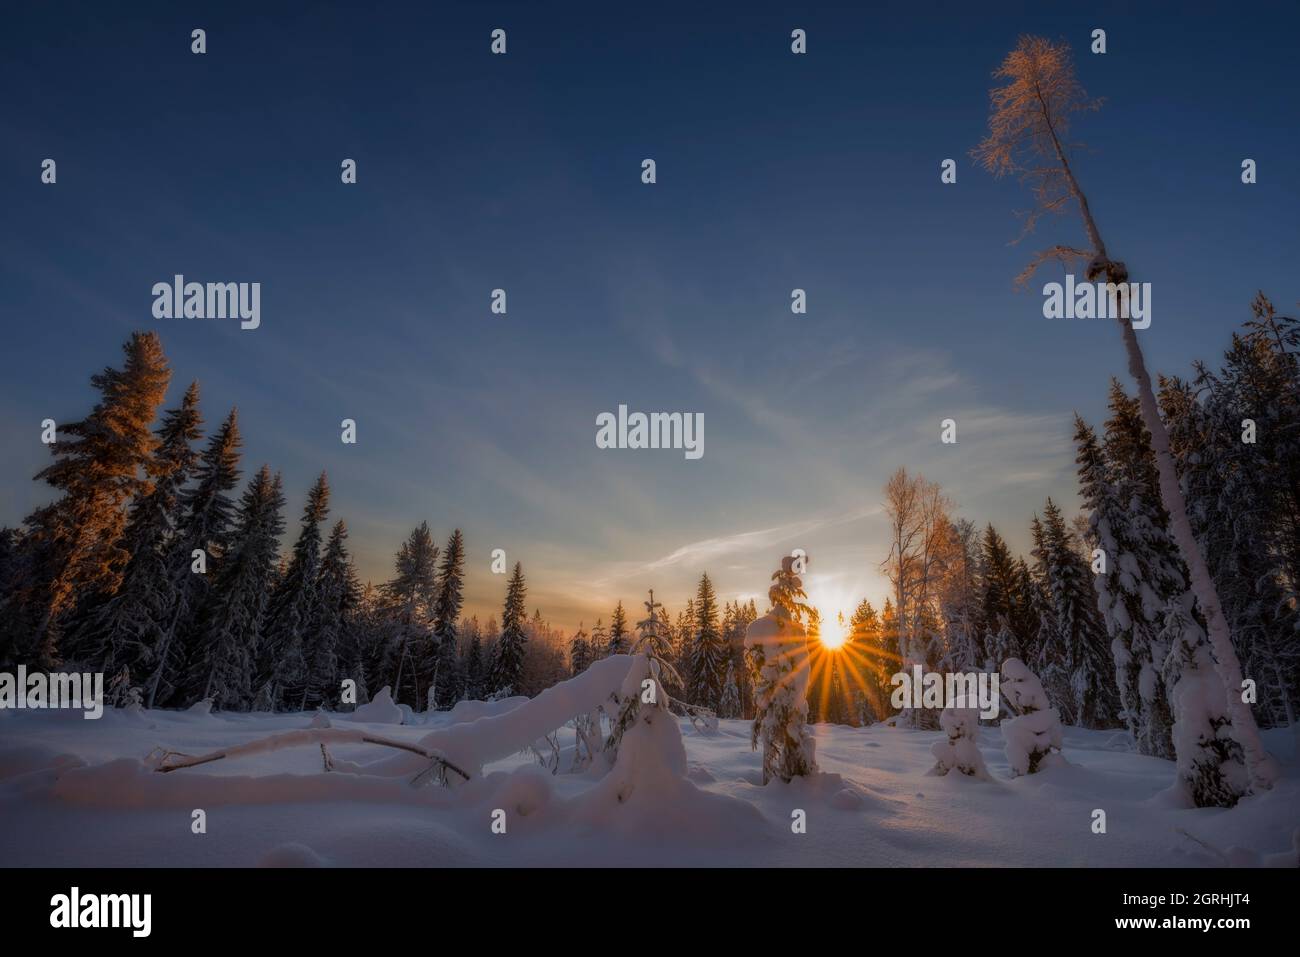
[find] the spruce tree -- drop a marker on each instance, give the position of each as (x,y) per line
(73,545)
(445,678)
(326,643)
(508,662)
(122,631)
(295,606)
(1244,498)
(1004,598)
(224,663)
(579,652)
(780,731)
(599,640)
(707,654)
(200,542)
(1139,574)
(618,637)
(408,600)
(472,665)
(1073,623)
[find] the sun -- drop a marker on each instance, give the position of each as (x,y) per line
(832,632)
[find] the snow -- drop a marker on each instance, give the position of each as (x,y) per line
(1033,738)
(379,710)
(80,793)
(959,750)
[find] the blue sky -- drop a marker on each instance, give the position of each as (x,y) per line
(522,171)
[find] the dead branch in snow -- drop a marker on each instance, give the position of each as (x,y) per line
(320,736)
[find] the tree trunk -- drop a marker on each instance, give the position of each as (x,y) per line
(1262,767)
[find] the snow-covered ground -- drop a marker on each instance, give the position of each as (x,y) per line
(75,792)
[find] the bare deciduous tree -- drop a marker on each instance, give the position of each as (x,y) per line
(919,547)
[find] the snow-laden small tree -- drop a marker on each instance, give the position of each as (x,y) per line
(778,639)
(651,651)
(1033,737)
(960,750)
(1211,768)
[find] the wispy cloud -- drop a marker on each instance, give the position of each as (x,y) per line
(698,554)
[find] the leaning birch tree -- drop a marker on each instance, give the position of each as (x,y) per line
(1029,121)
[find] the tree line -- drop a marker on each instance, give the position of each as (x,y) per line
(146,567)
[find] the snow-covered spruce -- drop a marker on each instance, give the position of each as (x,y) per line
(207,524)
(652,644)
(508,658)
(283,658)
(222,661)
(1033,737)
(1072,639)
(121,633)
(960,750)
(1143,569)
(780,728)
(1211,767)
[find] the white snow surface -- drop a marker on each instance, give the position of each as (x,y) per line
(81,793)
(378,710)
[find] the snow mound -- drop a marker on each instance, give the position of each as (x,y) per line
(960,750)
(524,792)
(465,711)
(379,710)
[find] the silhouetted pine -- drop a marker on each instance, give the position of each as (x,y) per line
(339,592)
(445,677)
(206,515)
(508,662)
(707,653)
(224,660)
(408,601)
(619,641)
(295,606)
